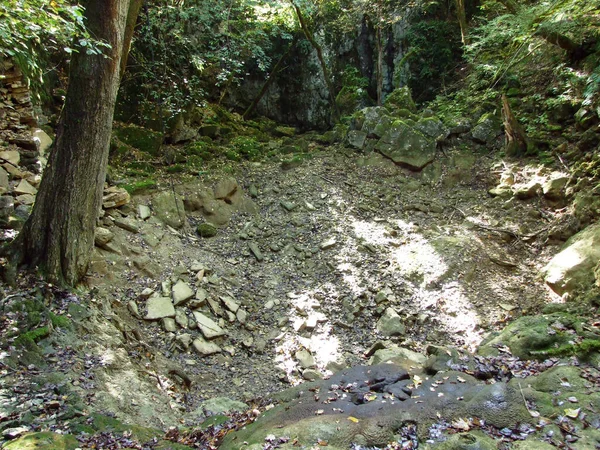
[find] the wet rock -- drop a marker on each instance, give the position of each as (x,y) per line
(205,348)
(390,324)
(207,326)
(574,265)
(158,308)
(182,292)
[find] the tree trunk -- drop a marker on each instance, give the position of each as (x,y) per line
(379,43)
(516,139)
(132,15)
(461,13)
(58,237)
(319,51)
(270,80)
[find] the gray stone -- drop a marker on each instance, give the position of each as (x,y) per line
(133,308)
(554,188)
(205,348)
(25,199)
(169,208)
(226,189)
(181,318)
(396,353)
(528,190)
(182,292)
(185,340)
(371,117)
(406,146)
(230,303)
(13,157)
(25,188)
(44,141)
(390,324)
(432,127)
(256,251)
(220,405)
(159,307)
(288,206)
(356,139)
(312,375)
(305,359)
(3,181)
(168,324)
(207,326)
(574,265)
(329,243)
(127,224)
(241,315)
(487,129)
(144,212)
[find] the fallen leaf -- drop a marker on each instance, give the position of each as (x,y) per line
(461,380)
(322,443)
(417,381)
(572,413)
(353,419)
(461,424)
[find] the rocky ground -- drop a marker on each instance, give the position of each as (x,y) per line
(315,265)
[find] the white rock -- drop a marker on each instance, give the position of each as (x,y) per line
(44,141)
(306,360)
(230,303)
(241,315)
(144,212)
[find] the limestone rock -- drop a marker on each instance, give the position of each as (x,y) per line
(159,307)
(102,236)
(432,127)
(169,208)
(185,339)
(127,224)
(182,292)
(3,181)
(205,348)
(12,157)
(574,265)
(487,129)
(25,199)
(181,318)
(207,326)
(230,303)
(406,146)
(356,139)
(311,375)
(168,324)
(25,188)
(305,359)
(114,197)
(390,324)
(44,141)
(226,189)
(394,353)
(144,212)
(554,187)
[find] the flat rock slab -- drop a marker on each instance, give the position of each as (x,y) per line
(205,348)
(182,292)
(207,326)
(159,307)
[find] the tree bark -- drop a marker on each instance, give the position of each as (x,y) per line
(132,14)
(379,39)
(516,139)
(270,80)
(319,51)
(461,13)
(58,237)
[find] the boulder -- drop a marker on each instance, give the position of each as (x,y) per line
(169,208)
(574,265)
(400,98)
(432,127)
(487,129)
(11,157)
(44,141)
(406,146)
(356,139)
(370,117)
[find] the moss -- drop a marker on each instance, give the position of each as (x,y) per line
(45,440)
(583,349)
(246,147)
(232,155)
(400,98)
(29,338)
(59,321)
(206,230)
(176,168)
(140,186)
(143,139)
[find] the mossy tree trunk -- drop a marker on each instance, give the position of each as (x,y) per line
(309,36)
(58,237)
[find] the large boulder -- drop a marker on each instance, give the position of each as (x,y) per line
(487,129)
(169,208)
(406,146)
(574,265)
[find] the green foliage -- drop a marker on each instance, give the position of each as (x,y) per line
(140,186)
(32,28)
(28,339)
(436,51)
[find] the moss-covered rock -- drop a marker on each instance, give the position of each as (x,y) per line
(487,129)
(43,441)
(473,440)
(400,98)
(141,138)
(406,146)
(206,230)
